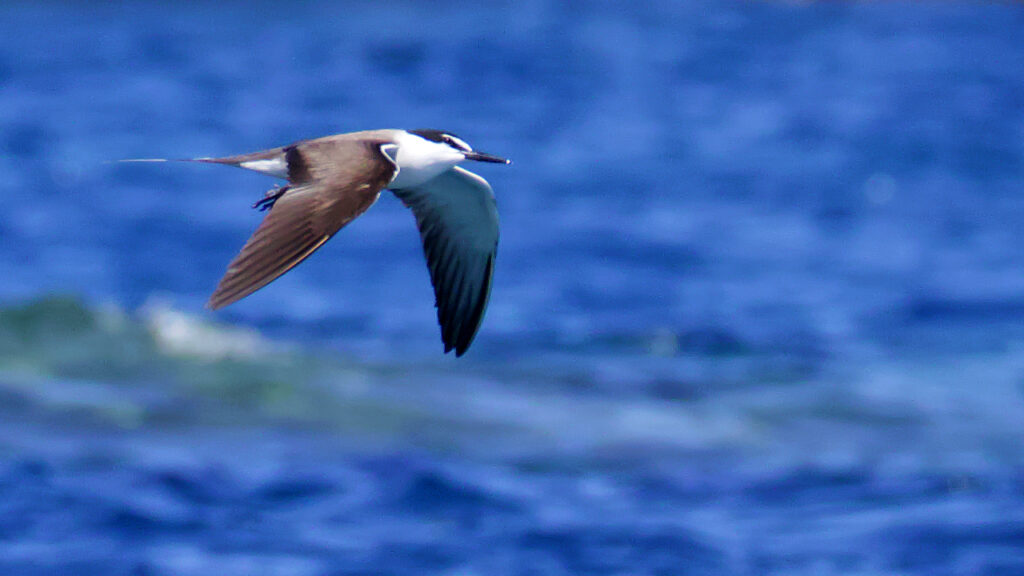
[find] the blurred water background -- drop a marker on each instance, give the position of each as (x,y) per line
(758,304)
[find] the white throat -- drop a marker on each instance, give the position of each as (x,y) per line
(419,159)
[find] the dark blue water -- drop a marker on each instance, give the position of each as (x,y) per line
(758,304)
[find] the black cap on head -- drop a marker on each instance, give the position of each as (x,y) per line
(431,134)
(457,143)
(443,138)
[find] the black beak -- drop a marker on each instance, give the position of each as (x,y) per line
(481,157)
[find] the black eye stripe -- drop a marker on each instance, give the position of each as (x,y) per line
(443,138)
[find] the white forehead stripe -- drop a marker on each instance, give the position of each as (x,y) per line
(460,142)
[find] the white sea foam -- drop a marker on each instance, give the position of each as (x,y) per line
(179,333)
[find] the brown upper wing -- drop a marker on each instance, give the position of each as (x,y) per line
(332,181)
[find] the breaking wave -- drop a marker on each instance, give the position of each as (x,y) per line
(64,361)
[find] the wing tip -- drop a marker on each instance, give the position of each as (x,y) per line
(459,335)
(459,341)
(458,348)
(216,302)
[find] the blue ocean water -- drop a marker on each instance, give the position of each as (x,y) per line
(757,306)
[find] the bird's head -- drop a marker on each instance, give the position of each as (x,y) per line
(458,144)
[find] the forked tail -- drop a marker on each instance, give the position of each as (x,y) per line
(271,162)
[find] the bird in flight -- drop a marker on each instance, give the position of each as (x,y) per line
(334,179)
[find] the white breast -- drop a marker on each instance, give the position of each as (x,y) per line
(419,159)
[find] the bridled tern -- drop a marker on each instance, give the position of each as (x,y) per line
(334,179)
